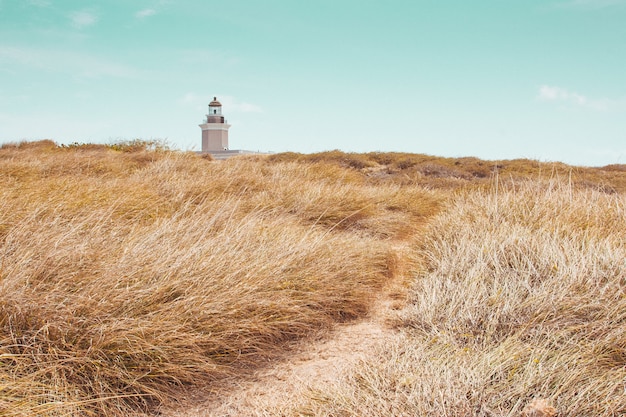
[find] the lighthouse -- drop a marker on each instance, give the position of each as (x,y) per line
(215,129)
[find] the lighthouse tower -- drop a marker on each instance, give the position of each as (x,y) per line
(214,129)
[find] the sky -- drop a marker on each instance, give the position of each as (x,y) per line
(495,79)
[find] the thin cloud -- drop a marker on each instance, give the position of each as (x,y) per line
(551,93)
(82,19)
(558,94)
(141,14)
(75,64)
(248,108)
(232,104)
(156,8)
(189,98)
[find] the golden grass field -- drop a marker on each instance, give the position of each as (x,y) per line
(130,273)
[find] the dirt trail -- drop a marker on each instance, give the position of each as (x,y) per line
(312,363)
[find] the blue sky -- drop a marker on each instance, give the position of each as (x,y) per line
(497,79)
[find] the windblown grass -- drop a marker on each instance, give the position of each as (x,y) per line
(126,273)
(524,297)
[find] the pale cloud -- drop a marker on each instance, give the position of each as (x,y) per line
(558,94)
(230,104)
(145,13)
(551,93)
(248,108)
(157,7)
(192,99)
(73,63)
(81,19)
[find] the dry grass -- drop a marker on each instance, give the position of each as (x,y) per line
(521,311)
(128,272)
(454,173)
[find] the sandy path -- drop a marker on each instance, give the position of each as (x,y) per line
(310,364)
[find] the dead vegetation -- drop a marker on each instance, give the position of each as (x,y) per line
(128,272)
(521,310)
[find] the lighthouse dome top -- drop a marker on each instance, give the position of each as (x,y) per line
(215,103)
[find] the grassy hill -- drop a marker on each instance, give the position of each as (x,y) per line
(129,272)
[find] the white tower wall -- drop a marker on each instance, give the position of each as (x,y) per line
(214,136)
